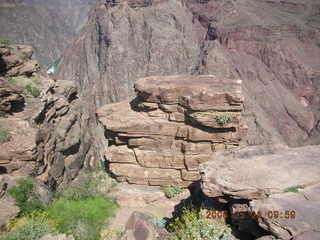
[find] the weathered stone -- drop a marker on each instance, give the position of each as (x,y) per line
(138,172)
(193,148)
(177,117)
(192,161)
(120,154)
(172,143)
(190,175)
(169,108)
(197,93)
(140,227)
(247,174)
(9,95)
(148,106)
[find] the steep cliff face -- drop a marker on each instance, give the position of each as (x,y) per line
(49,26)
(273,46)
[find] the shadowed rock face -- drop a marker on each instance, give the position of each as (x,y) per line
(49,26)
(273,46)
(173,125)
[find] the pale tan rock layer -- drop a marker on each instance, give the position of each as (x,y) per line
(163,135)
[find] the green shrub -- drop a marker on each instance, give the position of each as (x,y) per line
(294,189)
(5,135)
(4,41)
(171,191)
(24,57)
(26,197)
(83,219)
(32,227)
(190,226)
(31,90)
(82,190)
(224,118)
(12,80)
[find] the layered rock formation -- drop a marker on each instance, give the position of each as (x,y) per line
(270,188)
(173,125)
(46,136)
(273,46)
(63,139)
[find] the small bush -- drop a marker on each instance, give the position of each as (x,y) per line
(31,90)
(26,197)
(190,226)
(4,41)
(31,227)
(83,219)
(12,80)
(294,189)
(224,118)
(171,191)
(24,57)
(5,135)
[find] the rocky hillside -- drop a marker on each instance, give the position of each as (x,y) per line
(273,46)
(48,26)
(44,131)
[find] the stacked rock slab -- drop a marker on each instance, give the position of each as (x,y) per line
(174,124)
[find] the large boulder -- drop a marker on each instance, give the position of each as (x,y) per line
(272,189)
(173,125)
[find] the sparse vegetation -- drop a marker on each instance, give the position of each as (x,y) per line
(171,191)
(5,135)
(23,132)
(27,199)
(192,225)
(33,226)
(294,189)
(79,210)
(4,41)
(24,57)
(224,118)
(32,90)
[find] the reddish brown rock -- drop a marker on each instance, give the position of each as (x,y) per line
(9,95)
(167,148)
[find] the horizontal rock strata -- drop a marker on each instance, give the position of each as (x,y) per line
(173,125)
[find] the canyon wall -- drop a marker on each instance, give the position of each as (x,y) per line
(48,26)
(273,46)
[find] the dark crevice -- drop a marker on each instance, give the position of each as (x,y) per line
(3,170)
(72,150)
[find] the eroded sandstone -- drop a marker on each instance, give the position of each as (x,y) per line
(173,125)
(274,188)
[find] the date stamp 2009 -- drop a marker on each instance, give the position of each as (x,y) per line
(271,214)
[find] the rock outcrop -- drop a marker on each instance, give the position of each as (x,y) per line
(273,188)
(174,124)
(63,139)
(44,129)
(273,46)
(9,96)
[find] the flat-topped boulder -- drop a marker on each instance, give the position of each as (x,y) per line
(174,124)
(259,171)
(275,188)
(204,92)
